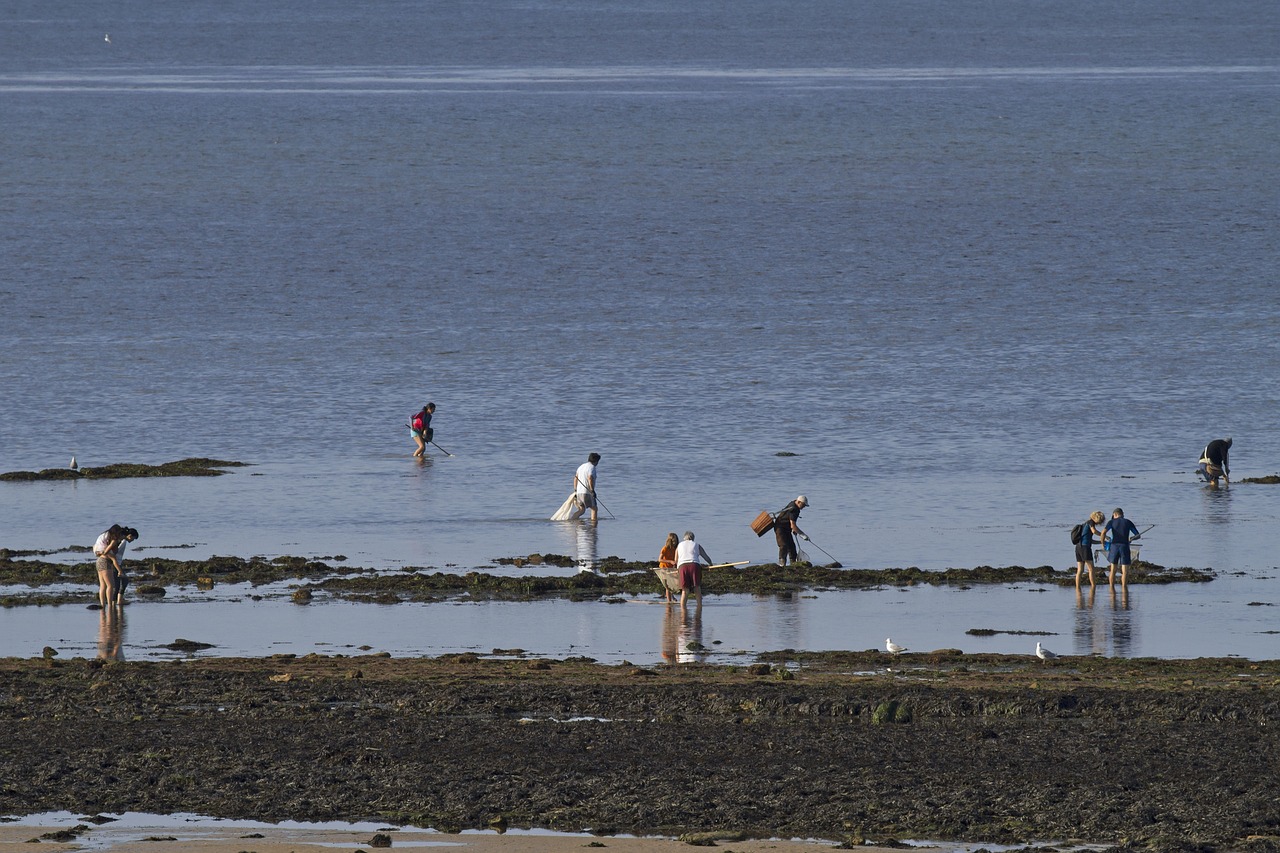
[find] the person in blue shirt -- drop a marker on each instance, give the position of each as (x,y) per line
(1115,538)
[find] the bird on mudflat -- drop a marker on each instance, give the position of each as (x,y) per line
(893,648)
(73,466)
(1043,653)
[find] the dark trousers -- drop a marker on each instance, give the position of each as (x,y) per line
(786,543)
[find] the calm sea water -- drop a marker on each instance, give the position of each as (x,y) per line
(983,267)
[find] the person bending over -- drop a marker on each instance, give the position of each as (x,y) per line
(1215,462)
(785,529)
(690,559)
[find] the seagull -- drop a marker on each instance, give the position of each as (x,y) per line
(107,38)
(73,466)
(892,647)
(1043,653)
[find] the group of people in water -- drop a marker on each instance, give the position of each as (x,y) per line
(1117,534)
(683,559)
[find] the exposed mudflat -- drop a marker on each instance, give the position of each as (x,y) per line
(1166,755)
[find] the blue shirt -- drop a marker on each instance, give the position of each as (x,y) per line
(1120,530)
(1086,538)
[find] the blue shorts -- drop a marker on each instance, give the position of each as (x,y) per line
(1118,554)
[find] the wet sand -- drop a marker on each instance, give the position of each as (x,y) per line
(837,746)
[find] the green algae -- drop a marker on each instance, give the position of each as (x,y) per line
(1269,480)
(191,467)
(613,577)
(158,573)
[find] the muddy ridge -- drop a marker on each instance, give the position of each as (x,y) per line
(1165,755)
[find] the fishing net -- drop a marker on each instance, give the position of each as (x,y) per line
(562,514)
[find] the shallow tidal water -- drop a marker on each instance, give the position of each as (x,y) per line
(187,829)
(982,269)
(1148,621)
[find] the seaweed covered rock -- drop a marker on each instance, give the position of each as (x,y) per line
(191,467)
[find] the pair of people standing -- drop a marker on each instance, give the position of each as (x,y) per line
(688,558)
(1115,535)
(109,551)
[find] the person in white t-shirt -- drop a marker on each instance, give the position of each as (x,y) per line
(690,561)
(584,488)
(109,551)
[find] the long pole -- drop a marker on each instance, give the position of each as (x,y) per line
(438,447)
(820,548)
(602,506)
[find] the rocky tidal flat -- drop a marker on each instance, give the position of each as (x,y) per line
(28,579)
(851,747)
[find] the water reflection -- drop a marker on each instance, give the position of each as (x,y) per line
(586,544)
(1106,631)
(1121,623)
(111,634)
(682,635)
(781,619)
(580,539)
(1217,505)
(1090,633)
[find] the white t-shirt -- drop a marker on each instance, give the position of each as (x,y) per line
(100,546)
(586,473)
(689,551)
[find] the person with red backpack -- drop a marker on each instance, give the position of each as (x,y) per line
(420,428)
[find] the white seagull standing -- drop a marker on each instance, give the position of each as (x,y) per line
(107,38)
(1043,653)
(893,648)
